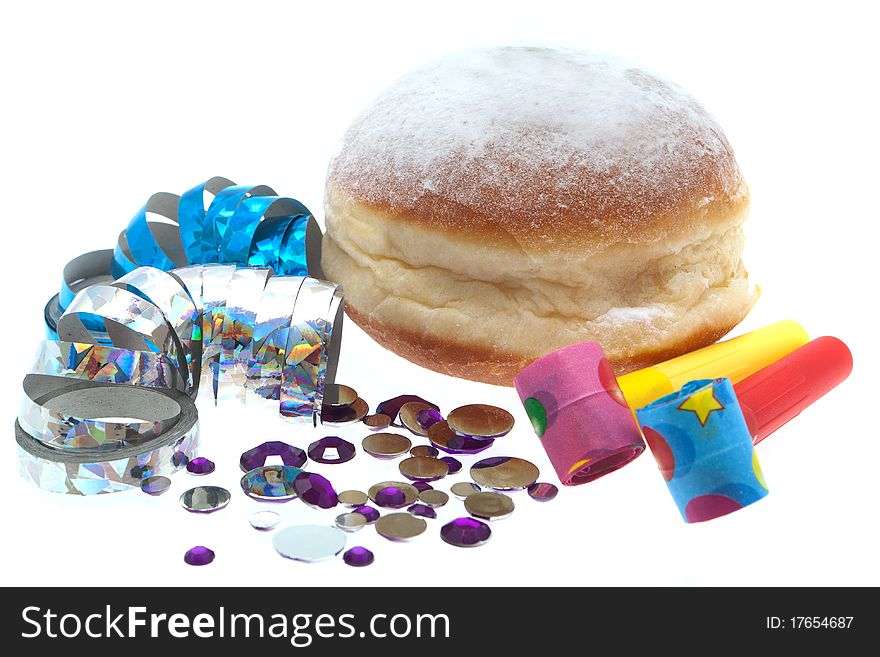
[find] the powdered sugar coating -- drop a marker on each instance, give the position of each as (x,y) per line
(539,149)
(642,314)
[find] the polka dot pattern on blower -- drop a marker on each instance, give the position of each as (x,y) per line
(704,450)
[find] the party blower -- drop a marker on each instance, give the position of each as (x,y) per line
(587,438)
(703,436)
(584,415)
(734,359)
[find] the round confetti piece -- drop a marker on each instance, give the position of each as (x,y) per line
(199,556)
(309,542)
(542,492)
(368,512)
(465,532)
(351,522)
(155,485)
(358,557)
(423,468)
(446,440)
(352,498)
(256,457)
(377,421)
(200,466)
(429,417)
(400,526)
(336,394)
(390,498)
(433,497)
(205,499)
(480,420)
(489,505)
(463,489)
(264,520)
(270,483)
(315,490)
(337,416)
(422,511)
(424,450)
(386,445)
(331,450)
(409,417)
(504,473)
(410,492)
(361,409)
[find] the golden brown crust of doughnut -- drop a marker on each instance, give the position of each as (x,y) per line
(499,204)
(616,155)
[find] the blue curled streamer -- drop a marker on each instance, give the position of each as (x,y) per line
(279,243)
(242,225)
(220,216)
(292,256)
(192,214)
(272,214)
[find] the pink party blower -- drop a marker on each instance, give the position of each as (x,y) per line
(562,389)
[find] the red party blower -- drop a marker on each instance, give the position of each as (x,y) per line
(774,395)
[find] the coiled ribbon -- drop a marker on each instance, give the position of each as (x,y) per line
(229,329)
(216,221)
(221,329)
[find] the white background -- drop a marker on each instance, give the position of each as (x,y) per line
(105,104)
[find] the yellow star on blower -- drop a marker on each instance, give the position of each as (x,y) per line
(702,403)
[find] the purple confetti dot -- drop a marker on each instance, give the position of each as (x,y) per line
(422,510)
(345,451)
(358,556)
(390,498)
(428,417)
(199,556)
(315,490)
(200,466)
(256,457)
(368,512)
(465,532)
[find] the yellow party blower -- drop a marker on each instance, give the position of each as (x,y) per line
(734,359)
